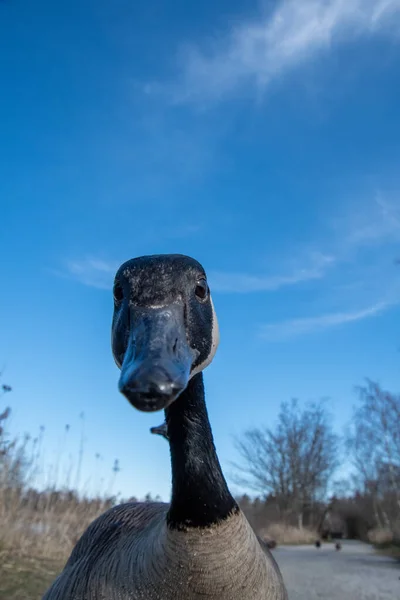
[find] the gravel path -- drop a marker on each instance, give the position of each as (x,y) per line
(353,573)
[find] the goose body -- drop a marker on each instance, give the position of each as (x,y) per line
(200,546)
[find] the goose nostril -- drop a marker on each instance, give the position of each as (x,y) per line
(168,387)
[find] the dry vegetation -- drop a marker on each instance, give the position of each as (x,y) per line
(290,467)
(385,541)
(37,529)
(288,534)
(44,526)
(47,524)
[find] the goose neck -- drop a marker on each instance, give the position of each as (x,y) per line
(200,495)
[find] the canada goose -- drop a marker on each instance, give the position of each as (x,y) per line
(318,544)
(267,542)
(338,546)
(200,546)
(160,430)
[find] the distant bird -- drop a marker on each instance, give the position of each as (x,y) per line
(164,334)
(318,544)
(266,544)
(338,546)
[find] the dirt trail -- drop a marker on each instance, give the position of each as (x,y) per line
(354,573)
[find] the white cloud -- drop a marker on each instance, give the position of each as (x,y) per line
(93,272)
(295,327)
(245,283)
(355,274)
(370,226)
(100,274)
(362,246)
(256,52)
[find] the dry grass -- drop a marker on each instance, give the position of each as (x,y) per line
(286,534)
(380,535)
(385,541)
(45,525)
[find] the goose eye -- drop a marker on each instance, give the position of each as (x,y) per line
(201,290)
(118,293)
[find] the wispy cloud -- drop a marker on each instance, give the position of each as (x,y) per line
(362,251)
(245,283)
(92,272)
(99,274)
(258,51)
(357,271)
(371,226)
(296,327)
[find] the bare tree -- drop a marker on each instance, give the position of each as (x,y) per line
(374,443)
(294,462)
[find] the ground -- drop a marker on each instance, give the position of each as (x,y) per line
(23,578)
(354,573)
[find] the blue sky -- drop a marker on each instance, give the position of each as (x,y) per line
(261,138)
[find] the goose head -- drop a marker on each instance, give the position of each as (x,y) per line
(164,328)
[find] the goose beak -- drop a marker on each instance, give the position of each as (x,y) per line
(158,359)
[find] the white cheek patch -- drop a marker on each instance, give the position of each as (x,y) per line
(214,344)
